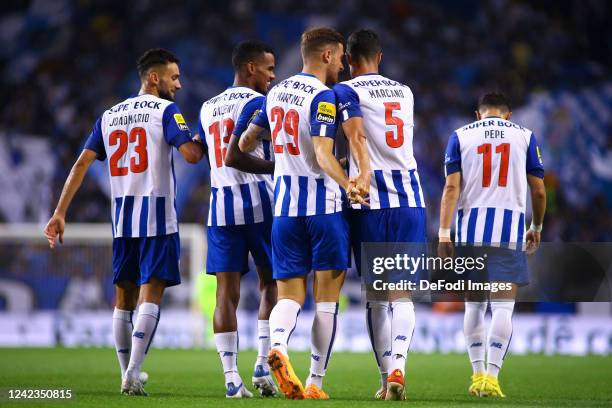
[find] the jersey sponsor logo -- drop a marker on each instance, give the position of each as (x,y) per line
(326,112)
(180,121)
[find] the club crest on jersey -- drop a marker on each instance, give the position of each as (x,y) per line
(326,112)
(180,121)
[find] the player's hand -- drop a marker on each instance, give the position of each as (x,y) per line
(55,229)
(197,138)
(355,196)
(533,241)
(362,183)
(445,248)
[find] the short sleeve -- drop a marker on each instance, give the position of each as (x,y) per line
(250,110)
(535,165)
(323,114)
(176,131)
(452,157)
(348,102)
(95,142)
(261,119)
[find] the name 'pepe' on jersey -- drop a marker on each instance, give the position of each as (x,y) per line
(387,109)
(294,110)
(237,198)
(137,135)
(494,157)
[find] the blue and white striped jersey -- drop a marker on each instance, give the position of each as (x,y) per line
(494,157)
(387,109)
(236,197)
(137,135)
(295,110)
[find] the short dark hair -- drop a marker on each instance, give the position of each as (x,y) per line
(494,99)
(316,38)
(153,57)
(363,45)
(247,51)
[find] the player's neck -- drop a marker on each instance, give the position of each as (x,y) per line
(148,90)
(316,70)
(240,81)
(364,69)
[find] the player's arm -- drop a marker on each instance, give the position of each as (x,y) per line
(349,110)
(324,152)
(55,226)
(356,136)
(192,151)
(177,134)
(255,123)
(450,194)
(240,159)
(535,179)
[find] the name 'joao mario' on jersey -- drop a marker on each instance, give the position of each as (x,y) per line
(494,157)
(387,109)
(137,135)
(236,197)
(294,110)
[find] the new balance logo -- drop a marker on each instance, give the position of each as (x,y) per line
(387,353)
(227,354)
(401,338)
(124,351)
(279,330)
(262,337)
(140,335)
(479,344)
(496,345)
(315,357)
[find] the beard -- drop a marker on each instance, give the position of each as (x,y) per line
(165,94)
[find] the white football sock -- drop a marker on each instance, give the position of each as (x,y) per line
(500,334)
(475,334)
(282,323)
(144,330)
(122,332)
(322,340)
(379,330)
(402,327)
(263,343)
(227,347)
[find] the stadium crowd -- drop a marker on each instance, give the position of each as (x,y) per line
(64,62)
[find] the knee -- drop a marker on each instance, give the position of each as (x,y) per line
(228,296)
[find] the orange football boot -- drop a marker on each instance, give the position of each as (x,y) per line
(395,386)
(314,392)
(288,382)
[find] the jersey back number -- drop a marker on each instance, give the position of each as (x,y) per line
(138,163)
(502,149)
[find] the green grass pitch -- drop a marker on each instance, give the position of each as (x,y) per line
(192,378)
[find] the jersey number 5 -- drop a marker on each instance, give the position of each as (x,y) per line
(392,140)
(485,150)
(137,135)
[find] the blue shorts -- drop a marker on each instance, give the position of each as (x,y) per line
(229,247)
(139,259)
(389,225)
(302,244)
(501,264)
